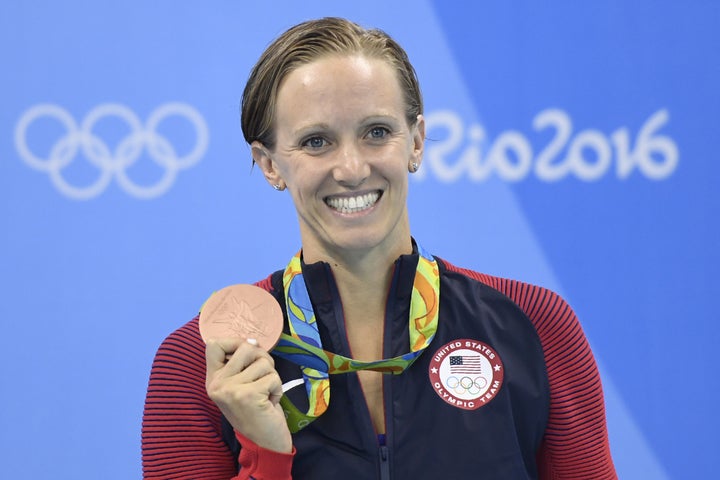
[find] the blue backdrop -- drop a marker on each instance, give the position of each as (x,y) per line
(573,144)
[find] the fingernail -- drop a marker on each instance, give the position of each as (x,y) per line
(252,341)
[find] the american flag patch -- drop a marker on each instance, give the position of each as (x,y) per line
(465,364)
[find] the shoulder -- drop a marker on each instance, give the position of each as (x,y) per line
(182,346)
(569,360)
(548,312)
(564,344)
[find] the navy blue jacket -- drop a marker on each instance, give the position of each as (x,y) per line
(432,431)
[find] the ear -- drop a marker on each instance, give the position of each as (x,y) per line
(262,156)
(418,133)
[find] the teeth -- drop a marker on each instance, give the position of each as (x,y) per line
(353,204)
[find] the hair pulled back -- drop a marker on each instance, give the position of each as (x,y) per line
(310,41)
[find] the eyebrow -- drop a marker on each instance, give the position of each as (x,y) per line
(380,118)
(312,128)
(322,126)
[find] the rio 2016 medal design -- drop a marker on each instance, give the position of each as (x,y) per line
(244,311)
(466,373)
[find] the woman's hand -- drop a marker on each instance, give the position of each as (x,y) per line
(242,381)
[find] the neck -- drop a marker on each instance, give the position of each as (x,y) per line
(364,290)
(363,279)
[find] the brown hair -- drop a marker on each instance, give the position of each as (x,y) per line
(306,42)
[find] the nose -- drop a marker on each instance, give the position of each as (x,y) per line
(351,168)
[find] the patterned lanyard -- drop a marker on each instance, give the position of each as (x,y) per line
(303,346)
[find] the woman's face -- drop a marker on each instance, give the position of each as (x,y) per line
(343,150)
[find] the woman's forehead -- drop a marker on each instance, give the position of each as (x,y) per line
(340,79)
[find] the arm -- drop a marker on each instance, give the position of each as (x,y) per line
(576,441)
(181,431)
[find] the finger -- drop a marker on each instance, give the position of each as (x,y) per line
(275,389)
(271,384)
(217,350)
(246,354)
(226,362)
(251,341)
(261,366)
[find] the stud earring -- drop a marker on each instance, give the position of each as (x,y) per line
(414,167)
(277,187)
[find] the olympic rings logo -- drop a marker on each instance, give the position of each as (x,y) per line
(472,386)
(112,163)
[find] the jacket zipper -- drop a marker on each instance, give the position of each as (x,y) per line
(387,382)
(383,450)
(384,463)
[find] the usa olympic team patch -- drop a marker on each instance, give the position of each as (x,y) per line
(466,373)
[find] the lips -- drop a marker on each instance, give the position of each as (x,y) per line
(354,204)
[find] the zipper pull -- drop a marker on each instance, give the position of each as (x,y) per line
(384,455)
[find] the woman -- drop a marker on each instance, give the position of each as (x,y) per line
(494,380)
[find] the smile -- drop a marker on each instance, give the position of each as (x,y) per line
(353,204)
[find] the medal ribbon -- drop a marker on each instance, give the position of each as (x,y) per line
(303,346)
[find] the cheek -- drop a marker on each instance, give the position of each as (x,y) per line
(289,171)
(303,183)
(398,167)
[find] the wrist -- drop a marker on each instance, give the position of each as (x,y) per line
(264,462)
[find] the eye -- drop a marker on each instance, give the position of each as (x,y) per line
(378,132)
(314,142)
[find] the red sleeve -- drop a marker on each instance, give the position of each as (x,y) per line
(260,464)
(576,442)
(181,428)
(575,445)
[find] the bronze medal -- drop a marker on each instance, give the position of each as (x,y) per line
(243,311)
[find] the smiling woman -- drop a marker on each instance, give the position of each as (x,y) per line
(434,371)
(343,148)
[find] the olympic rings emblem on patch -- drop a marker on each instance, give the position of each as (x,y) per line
(466,373)
(112,163)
